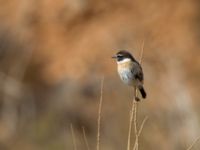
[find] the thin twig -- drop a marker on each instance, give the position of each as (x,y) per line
(139,133)
(135,117)
(135,126)
(136,145)
(142,125)
(130,123)
(99,115)
(73,137)
(133,113)
(192,145)
(85,139)
(141,52)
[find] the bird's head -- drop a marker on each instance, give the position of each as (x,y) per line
(123,56)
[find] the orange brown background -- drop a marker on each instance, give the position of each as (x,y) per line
(53,55)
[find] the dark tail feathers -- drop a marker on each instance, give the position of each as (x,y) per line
(143,93)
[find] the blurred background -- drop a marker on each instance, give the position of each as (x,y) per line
(53,55)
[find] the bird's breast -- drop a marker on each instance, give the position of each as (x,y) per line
(124,70)
(125,65)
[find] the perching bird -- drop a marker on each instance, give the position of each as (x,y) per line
(130,71)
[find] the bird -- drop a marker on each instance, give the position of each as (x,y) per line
(130,71)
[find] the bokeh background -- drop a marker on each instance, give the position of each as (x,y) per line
(53,55)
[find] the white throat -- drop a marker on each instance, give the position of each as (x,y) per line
(124,61)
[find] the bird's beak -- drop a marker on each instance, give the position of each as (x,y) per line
(114,57)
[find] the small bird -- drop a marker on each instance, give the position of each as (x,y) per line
(130,71)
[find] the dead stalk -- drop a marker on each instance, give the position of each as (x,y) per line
(73,137)
(85,139)
(135,126)
(130,123)
(192,145)
(99,115)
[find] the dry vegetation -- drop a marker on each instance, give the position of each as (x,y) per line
(54,53)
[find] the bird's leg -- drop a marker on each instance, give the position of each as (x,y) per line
(136,94)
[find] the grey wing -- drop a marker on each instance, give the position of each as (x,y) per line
(137,72)
(139,76)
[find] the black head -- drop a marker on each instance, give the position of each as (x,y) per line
(121,55)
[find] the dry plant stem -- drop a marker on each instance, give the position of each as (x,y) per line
(99,115)
(135,126)
(192,145)
(130,123)
(73,137)
(133,113)
(136,145)
(142,125)
(85,139)
(141,53)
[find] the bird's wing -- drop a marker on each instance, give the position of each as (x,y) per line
(139,76)
(137,71)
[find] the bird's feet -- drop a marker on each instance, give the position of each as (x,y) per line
(137,99)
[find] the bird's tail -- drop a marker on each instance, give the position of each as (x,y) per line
(142,91)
